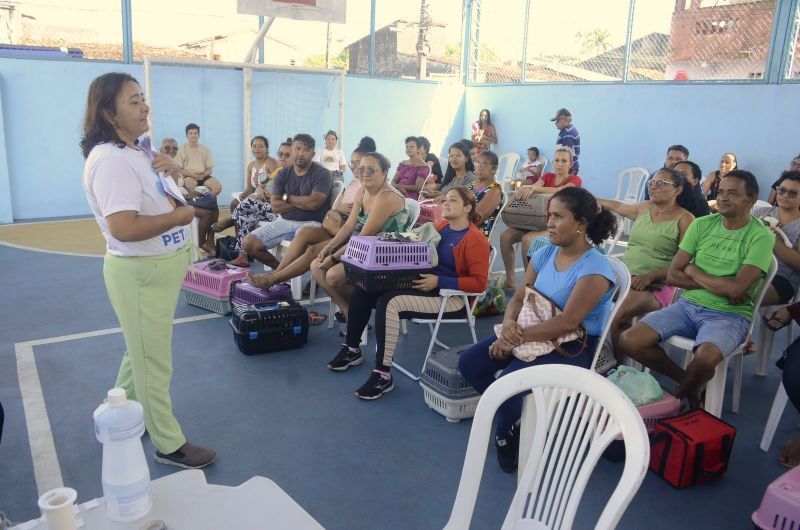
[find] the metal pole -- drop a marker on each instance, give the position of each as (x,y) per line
(327,45)
(341,109)
(467,10)
(524,69)
(372,50)
(628,39)
(261,43)
(247,86)
(127,32)
(259,40)
(148,92)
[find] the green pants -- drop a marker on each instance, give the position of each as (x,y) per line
(144,293)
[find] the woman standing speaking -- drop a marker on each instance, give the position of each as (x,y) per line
(147,252)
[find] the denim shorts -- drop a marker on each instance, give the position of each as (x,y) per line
(726,331)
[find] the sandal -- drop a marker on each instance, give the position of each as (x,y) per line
(238,262)
(339,317)
(315,318)
(774,318)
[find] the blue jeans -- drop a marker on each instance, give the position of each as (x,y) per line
(478,368)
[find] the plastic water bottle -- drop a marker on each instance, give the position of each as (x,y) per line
(119,425)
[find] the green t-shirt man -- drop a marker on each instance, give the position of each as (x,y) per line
(721,252)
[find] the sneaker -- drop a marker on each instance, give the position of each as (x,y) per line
(345,359)
(508,451)
(188,456)
(376,386)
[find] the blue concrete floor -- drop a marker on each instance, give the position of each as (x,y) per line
(392,463)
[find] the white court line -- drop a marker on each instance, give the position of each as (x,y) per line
(46,469)
(36,249)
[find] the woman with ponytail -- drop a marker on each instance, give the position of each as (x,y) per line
(658,228)
(578,279)
(463,253)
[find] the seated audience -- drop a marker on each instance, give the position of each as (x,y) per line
(330,157)
(578,279)
(488,193)
(309,242)
(253,205)
(430,159)
(472,148)
(549,183)
(658,228)
(463,264)
(411,173)
(711,183)
(789,456)
(787,212)
(259,171)
(300,197)
(530,171)
(720,262)
(675,154)
(169,147)
(793,166)
(692,173)
(195,164)
(378,208)
(459,173)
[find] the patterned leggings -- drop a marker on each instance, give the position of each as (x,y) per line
(247,215)
(390,308)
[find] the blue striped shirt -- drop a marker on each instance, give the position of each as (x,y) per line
(570,137)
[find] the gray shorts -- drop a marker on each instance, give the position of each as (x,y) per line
(726,331)
(273,232)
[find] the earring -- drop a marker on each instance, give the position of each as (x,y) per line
(578,232)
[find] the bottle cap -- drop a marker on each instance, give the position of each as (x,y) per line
(117,397)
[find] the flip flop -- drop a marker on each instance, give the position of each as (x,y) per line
(339,317)
(774,317)
(236,263)
(315,319)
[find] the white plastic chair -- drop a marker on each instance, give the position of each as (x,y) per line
(434,323)
(623,277)
(503,204)
(766,336)
(412,206)
(571,416)
(609,245)
(443,161)
(194,232)
(775,413)
(507,169)
(715,389)
(544,161)
(634,180)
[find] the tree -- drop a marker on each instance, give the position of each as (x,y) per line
(340,61)
(485,53)
(594,41)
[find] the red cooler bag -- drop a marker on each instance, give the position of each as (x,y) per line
(691,448)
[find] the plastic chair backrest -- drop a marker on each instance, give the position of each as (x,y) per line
(610,244)
(413,209)
(762,290)
(623,277)
(443,161)
(544,161)
(336,191)
(503,203)
(576,414)
(507,168)
(636,177)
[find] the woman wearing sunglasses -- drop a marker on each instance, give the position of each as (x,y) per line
(794,165)
(658,227)
(787,212)
(379,207)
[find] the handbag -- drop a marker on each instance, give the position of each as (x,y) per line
(493,301)
(538,308)
(641,387)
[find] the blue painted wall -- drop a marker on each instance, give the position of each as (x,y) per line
(633,124)
(43,104)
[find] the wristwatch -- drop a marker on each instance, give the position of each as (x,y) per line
(285,197)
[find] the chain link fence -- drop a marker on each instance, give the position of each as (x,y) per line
(80,29)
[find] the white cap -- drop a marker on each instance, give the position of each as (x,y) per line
(117,397)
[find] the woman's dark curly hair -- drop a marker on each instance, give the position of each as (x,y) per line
(101,100)
(365,145)
(600,223)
